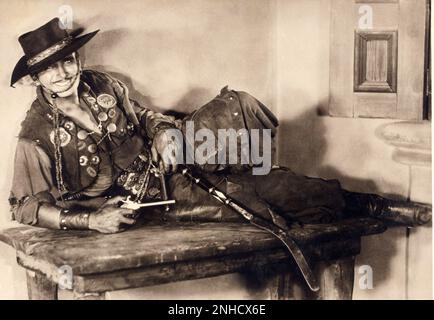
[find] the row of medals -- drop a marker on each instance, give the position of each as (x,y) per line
(133,180)
(105,101)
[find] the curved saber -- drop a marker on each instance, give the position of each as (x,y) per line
(293,248)
(259,222)
(298,256)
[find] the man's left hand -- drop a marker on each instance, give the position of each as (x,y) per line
(165,151)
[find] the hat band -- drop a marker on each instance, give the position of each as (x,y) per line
(49,51)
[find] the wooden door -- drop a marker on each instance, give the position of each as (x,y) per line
(377,58)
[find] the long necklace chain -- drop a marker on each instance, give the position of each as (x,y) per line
(57,147)
(57,151)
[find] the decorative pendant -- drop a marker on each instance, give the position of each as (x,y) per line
(83,161)
(81,145)
(152,192)
(92,148)
(91,171)
(69,125)
(91,100)
(102,116)
(82,134)
(95,160)
(64,137)
(111,128)
(106,101)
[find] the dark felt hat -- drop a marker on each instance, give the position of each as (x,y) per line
(45,46)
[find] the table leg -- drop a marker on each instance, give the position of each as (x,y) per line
(336,279)
(39,287)
(287,285)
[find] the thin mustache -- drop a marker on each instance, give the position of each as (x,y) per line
(69,78)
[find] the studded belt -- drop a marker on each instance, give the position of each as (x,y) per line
(140,180)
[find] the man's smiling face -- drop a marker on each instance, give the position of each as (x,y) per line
(61,77)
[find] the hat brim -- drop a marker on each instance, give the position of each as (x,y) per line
(22,69)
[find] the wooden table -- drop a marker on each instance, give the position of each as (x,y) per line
(160,253)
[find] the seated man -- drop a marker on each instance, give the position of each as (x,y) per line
(84,146)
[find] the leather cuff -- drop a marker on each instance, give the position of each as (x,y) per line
(70,220)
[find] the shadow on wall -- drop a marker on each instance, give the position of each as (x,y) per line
(190,101)
(302,146)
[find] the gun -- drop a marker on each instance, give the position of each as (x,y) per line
(133,205)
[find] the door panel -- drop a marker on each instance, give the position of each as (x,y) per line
(374,38)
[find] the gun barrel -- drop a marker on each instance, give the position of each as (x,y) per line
(136,205)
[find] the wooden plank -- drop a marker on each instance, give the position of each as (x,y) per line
(202,268)
(411,59)
(91,252)
(341,58)
(172,272)
(335,276)
(333,250)
(375,105)
(375,61)
(39,287)
(288,286)
(336,279)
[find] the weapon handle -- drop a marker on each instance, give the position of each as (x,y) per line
(164,191)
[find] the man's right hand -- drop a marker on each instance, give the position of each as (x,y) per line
(109,217)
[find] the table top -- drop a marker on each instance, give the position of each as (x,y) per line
(88,252)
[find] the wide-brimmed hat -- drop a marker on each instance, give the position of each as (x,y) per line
(45,46)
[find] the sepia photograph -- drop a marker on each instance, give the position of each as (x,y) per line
(216,150)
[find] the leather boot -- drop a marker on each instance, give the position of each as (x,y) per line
(392,212)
